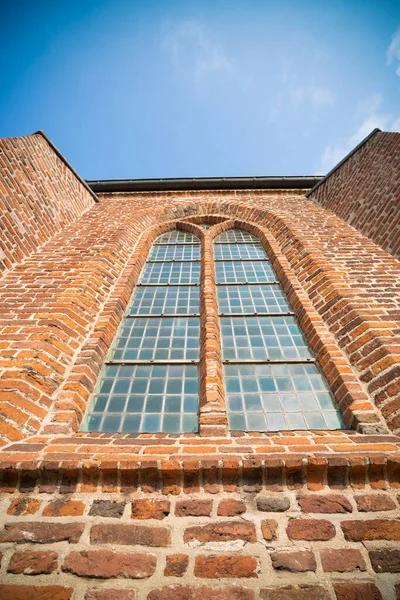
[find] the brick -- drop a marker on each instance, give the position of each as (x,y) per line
(298,592)
(299,561)
(176,565)
(374,502)
(373,529)
(310,529)
(329,503)
(106,564)
(386,560)
(231,508)
(41,533)
(150,509)
(35,592)
(342,560)
(269,529)
(221,532)
(21,507)
(64,508)
(110,594)
(127,534)
(273,503)
(216,567)
(193,508)
(33,563)
(107,508)
(357,591)
(180,592)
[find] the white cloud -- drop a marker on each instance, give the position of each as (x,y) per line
(393,52)
(317,97)
(368,113)
(194,52)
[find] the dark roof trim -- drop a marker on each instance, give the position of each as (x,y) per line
(62,157)
(203,183)
(364,141)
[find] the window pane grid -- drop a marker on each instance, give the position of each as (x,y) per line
(157,339)
(165,300)
(247,272)
(263,338)
(145,399)
(175,252)
(252,299)
(236,235)
(177,272)
(238,251)
(279,397)
(177,237)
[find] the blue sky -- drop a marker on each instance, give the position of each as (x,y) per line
(182,88)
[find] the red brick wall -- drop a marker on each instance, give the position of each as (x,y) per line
(39,195)
(365,191)
(306,532)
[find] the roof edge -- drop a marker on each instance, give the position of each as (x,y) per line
(203,183)
(62,157)
(336,167)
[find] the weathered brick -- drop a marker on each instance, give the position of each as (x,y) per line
(33,563)
(231,508)
(64,508)
(42,533)
(35,592)
(110,594)
(295,561)
(374,502)
(176,565)
(23,506)
(328,503)
(357,591)
(273,503)
(216,567)
(386,560)
(269,529)
(150,509)
(193,508)
(310,529)
(107,508)
(106,564)
(203,592)
(298,592)
(373,529)
(131,535)
(342,560)
(221,532)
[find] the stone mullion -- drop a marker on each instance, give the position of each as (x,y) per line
(212,419)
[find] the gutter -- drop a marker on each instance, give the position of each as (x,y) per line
(62,157)
(203,183)
(364,141)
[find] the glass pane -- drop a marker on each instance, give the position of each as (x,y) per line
(175,252)
(153,400)
(251,299)
(263,337)
(244,272)
(157,339)
(235,235)
(238,251)
(177,237)
(178,272)
(272,397)
(165,300)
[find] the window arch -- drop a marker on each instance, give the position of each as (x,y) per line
(150,381)
(272,381)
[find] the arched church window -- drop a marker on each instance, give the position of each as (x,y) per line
(272,381)
(150,380)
